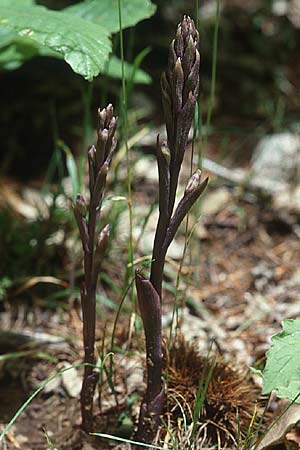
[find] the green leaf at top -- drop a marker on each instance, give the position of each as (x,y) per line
(282,371)
(84,45)
(106,12)
(18,3)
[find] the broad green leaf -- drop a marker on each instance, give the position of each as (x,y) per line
(84,45)
(19,50)
(282,371)
(106,12)
(16,50)
(17,3)
(6,36)
(13,56)
(114,70)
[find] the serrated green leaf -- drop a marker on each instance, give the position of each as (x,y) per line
(84,45)
(282,371)
(106,12)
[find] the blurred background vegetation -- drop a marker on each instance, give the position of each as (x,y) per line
(47,110)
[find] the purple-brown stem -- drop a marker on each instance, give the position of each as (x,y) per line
(180,88)
(99,159)
(152,404)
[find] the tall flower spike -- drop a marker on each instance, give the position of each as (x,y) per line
(180,87)
(99,158)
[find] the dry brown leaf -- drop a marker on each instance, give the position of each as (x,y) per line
(278,432)
(35,280)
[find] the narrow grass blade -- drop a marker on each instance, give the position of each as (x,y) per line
(35,393)
(201,394)
(129,441)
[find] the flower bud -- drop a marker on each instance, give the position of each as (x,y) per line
(81,205)
(193,182)
(165,151)
(101,147)
(109,115)
(178,81)
(101,246)
(101,118)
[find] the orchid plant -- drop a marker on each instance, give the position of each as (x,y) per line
(94,246)
(180,89)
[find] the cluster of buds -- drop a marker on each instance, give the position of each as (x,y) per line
(94,247)
(180,90)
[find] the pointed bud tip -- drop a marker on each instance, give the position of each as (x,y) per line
(81,205)
(102,243)
(103,134)
(106,230)
(92,151)
(165,151)
(193,182)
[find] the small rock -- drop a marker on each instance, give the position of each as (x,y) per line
(289,199)
(276,162)
(134,375)
(53,385)
(71,381)
(175,250)
(146,168)
(214,202)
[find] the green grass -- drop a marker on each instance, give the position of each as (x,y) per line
(130,270)
(32,396)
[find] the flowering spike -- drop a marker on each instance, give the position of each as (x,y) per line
(99,158)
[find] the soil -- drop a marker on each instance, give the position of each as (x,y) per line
(247,281)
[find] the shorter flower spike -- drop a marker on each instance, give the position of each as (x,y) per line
(87,217)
